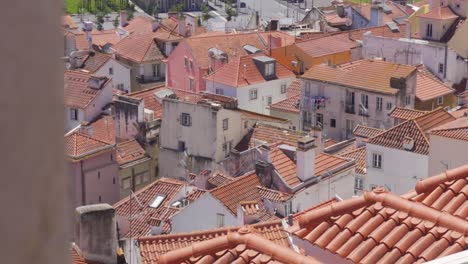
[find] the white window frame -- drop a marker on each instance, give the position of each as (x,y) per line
(379,103)
(359,183)
(269,100)
(185,62)
(219,91)
(120,86)
(185,119)
(111,71)
(440,100)
(253,94)
(126,181)
(307,89)
(269,69)
(408,100)
(441,68)
(389,106)
(226,124)
(365,100)
(377,160)
(283,88)
(191,84)
(74,114)
(220,220)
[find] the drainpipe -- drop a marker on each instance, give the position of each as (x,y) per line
(83,182)
(445,61)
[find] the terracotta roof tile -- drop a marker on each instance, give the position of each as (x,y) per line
(329,142)
(365,131)
(273,195)
(79,145)
(428,86)
(291,103)
(415,129)
(461,112)
(248,115)
(272,234)
(405,113)
(68,22)
(139,48)
(219,179)
(100,38)
(77,91)
(327,45)
(130,151)
(269,134)
(359,155)
(95,62)
(397,11)
(103,128)
(362,74)
(440,13)
(137,206)
(76,257)
(457,129)
(381,227)
(242,71)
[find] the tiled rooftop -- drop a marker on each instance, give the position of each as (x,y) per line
(130,151)
(327,45)
(77,92)
(137,206)
(78,145)
(219,179)
(76,257)
(428,86)
(359,156)
(415,129)
(405,113)
(68,22)
(211,246)
(95,62)
(291,103)
(103,128)
(139,48)
(100,38)
(440,13)
(269,134)
(381,227)
(365,131)
(273,195)
(242,71)
(370,75)
(397,11)
(457,129)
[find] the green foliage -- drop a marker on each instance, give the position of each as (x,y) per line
(230,11)
(99,21)
(130,11)
(205,9)
(179,9)
(116,22)
(94,6)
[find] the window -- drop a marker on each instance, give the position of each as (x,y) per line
(191,65)
(99,175)
(185,119)
(156,70)
(389,106)
(373,186)
(146,176)
(219,91)
(379,103)
(181,146)
(138,179)
(111,71)
(227,148)
(126,183)
(185,62)
(225,124)
(358,183)
(113,180)
(73,114)
(441,68)
(246,124)
(307,89)
(365,100)
(283,88)
(440,100)
(429,30)
(376,160)
(191,84)
(269,100)
(332,122)
(269,69)
(253,94)
(100,198)
(157,201)
(319,120)
(408,99)
(112,157)
(220,220)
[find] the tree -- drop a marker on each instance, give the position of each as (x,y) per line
(205,8)
(230,11)
(179,9)
(116,22)
(99,20)
(130,11)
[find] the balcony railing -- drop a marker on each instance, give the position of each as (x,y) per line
(350,109)
(363,112)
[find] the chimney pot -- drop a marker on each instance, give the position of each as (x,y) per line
(305,156)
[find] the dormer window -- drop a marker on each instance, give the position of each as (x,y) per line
(269,69)
(429,30)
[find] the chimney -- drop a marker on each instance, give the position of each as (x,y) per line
(155,24)
(96,82)
(305,158)
(182,27)
(263,171)
(86,129)
(172,14)
(316,134)
(123,18)
(88,28)
(96,233)
(247,213)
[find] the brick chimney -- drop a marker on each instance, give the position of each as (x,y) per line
(264,172)
(96,233)
(305,158)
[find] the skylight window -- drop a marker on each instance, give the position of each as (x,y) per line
(157,201)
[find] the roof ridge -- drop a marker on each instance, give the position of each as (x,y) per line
(352,151)
(431,183)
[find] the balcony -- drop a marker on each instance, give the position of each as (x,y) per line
(350,109)
(363,111)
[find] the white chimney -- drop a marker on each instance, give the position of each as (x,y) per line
(123,18)
(182,27)
(96,233)
(305,158)
(88,28)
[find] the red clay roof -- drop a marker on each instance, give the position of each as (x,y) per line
(405,113)
(77,92)
(78,145)
(457,129)
(130,151)
(269,134)
(139,48)
(440,13)
(100,38)
(327,45)
(428,86)
(242,71)
(68,22)
(359,156)
(95,62)
(362,74)
(103,128)
(358,34)
(219,179)
(381,227)
(415,129)
(397,11)
(243,188)
(291,103)
(273,195)
(143,216)
(76,257)
(461,112)
(365,131)
(172,248)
